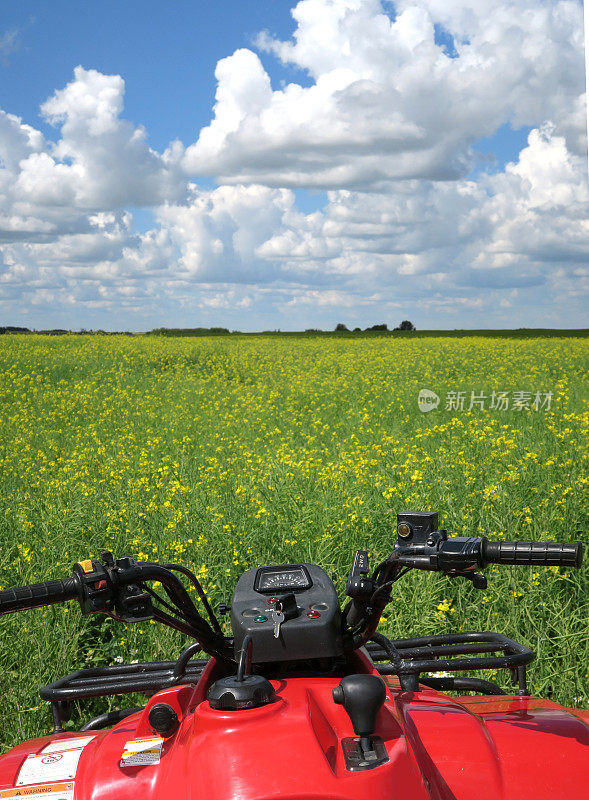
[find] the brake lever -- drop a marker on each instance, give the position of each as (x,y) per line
(456,557)
(478,580)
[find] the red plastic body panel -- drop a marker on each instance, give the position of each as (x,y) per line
(439,748)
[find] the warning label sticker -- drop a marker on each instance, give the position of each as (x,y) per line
(48,791)
(49,767)
(73,743)
(141,752)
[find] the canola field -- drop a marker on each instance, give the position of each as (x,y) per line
(224,453)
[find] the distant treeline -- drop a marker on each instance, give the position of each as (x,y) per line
(62,332)
(191,331)
(340,332)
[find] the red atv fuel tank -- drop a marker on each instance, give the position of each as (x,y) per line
(465,748)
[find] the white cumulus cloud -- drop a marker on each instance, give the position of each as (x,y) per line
(389,100)
(99,162)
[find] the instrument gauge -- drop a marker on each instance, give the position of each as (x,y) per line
(289,577)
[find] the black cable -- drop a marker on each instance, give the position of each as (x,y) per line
(174,623)
(377,571)
(172,609)
(389,649)
(388,584)
(187,609)
(172,586)
(184,658)
(156,596)
(184,626)
(162,617)
(179,597)
(200,591)
(197,627)
(244,658)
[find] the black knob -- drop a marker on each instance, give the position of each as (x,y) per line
(163,719)
(362,697)
(231,694)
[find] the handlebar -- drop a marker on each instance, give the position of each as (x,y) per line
(461,555)
(118,589)
(422,545)
(545,554)
(36,595)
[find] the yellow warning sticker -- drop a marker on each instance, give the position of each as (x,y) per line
(48,791)
(142,752)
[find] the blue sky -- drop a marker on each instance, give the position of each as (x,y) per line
(167,55)
(166,52)
(387,173)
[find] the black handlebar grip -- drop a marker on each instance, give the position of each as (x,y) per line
(543,554)
(38,594)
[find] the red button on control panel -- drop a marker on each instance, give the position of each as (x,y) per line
(313,614)
(272,601)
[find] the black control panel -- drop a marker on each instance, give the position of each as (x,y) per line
(291,612)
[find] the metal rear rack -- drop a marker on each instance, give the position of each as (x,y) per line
(409,658)
(142,678)
(146,678)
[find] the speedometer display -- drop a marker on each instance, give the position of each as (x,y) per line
(284,578)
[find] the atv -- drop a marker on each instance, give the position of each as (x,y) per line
(305,701)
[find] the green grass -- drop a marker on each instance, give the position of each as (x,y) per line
(223,453)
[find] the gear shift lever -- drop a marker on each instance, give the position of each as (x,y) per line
(362,697)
